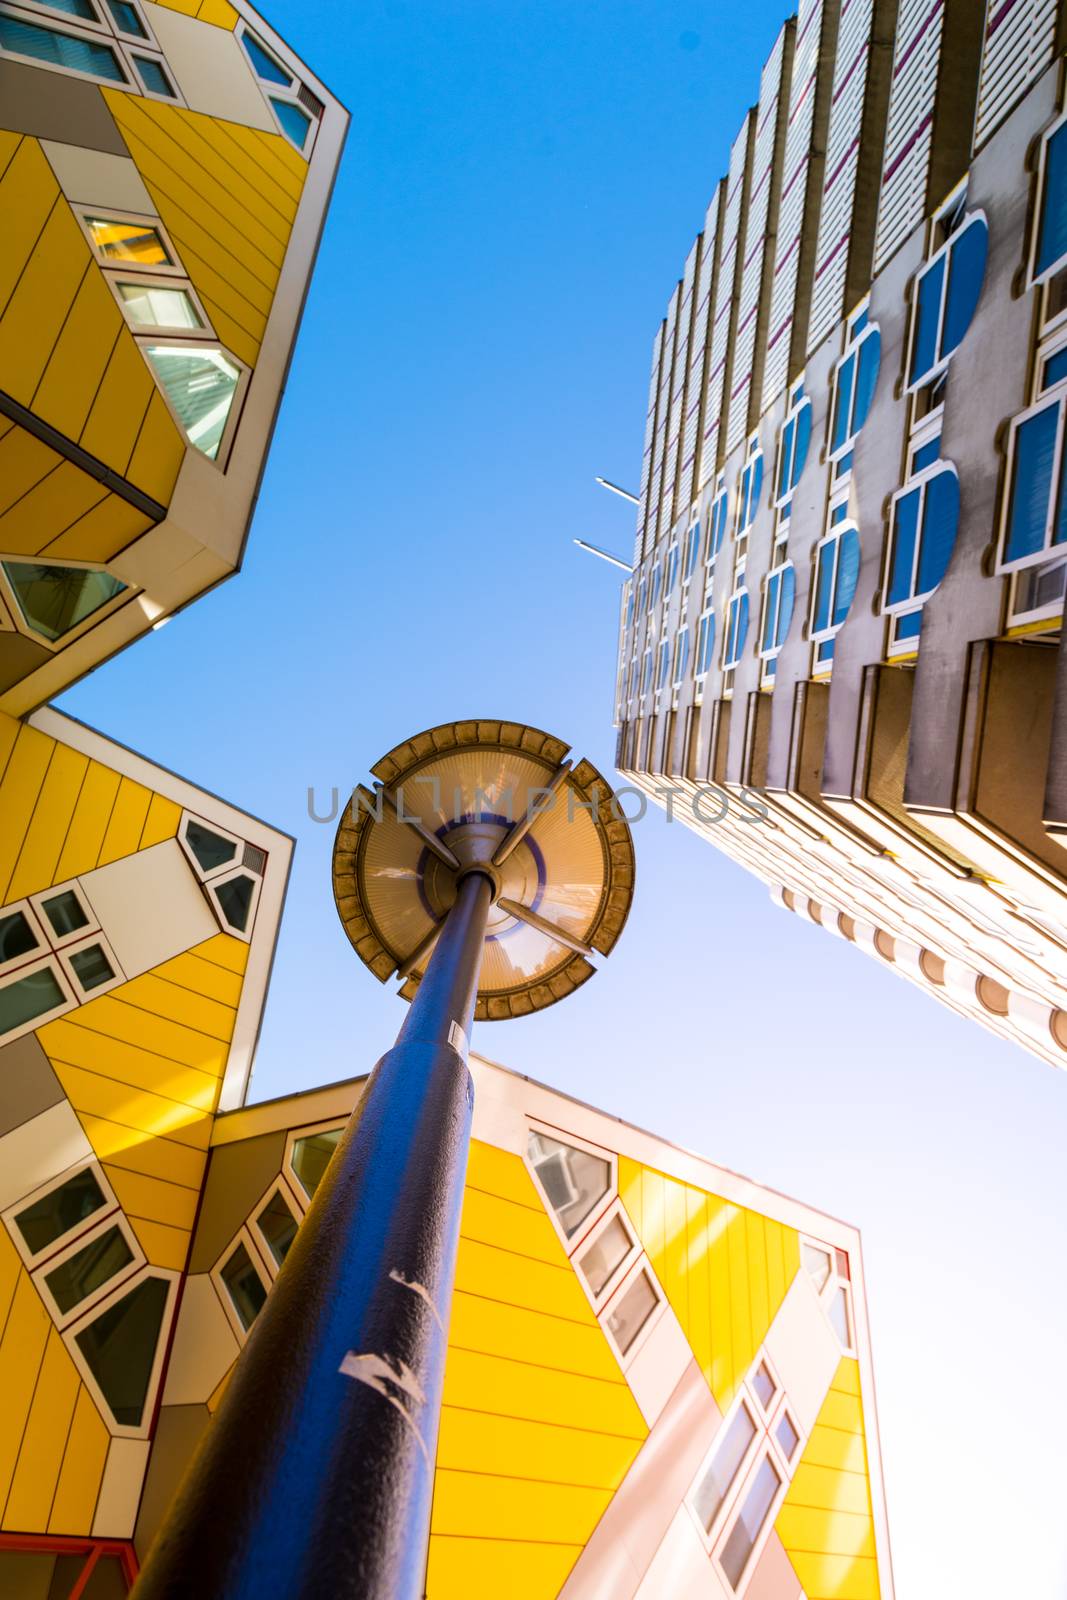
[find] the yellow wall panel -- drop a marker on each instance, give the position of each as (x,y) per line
(519,1571)
(158,453)
(43,841)
(21,1353)
(113,1017)
(153,1199)
(105,530)
(154,993)
(36,1475)
(9,143)
(82,1470)
(122,399)
(156,1158)
(825,1522)
(148,1115)
(28,192)
(10,1268)
(39,304)
(88,825)
(161,822)
(539,1426)
(48,509)
(218,12)
(24,461)
(188,8)
(128,816)
(225,950)
(70,1041)
(81,352)
(207,978)
(164,1246)
(19,788)
(275,154)
(725,1270)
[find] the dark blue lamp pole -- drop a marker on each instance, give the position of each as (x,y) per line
(315,1477)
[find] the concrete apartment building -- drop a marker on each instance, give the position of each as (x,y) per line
(848,579)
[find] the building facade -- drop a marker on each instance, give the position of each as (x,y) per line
(843,629)
(658,1378)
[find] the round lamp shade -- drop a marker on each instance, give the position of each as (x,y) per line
(503,799)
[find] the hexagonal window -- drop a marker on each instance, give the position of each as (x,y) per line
(212,850)
(54,600)
(311,1156)
(236,897)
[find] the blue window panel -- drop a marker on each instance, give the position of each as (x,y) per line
(73,8)
(786,601)
(153,77)
(672,570)
(664,664)
(1035,447)
(646,673)
(757,485)
(908,626)
(843,464)
(905,532)
(803,440)
(869,359)
(295,123)
(824,580)
(924,352)
(653,587)
(692,545)
(1052,235)
(640,608)
(265,65)
(705,643)
(1055,369)
(967,258)
(824,652)
(926,455)
(774,585)
(846,377)
(859,322)
(784,477)
(126,19)
(737,629)
(717,524)
(848,572)
(60,49)
(681,655)
(941,515)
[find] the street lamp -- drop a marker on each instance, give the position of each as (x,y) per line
(485,870)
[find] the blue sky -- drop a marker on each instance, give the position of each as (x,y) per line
(521,185)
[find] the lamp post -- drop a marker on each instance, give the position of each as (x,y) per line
(485,871)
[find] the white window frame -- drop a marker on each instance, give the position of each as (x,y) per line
(837,1280)
(718,515)
(820,636)
(213,827)
(691,549)
(1056,396)
(71,1000)
(78,1313)
(655,585)
(913,385)
(851,352)
(60,942)
(764,1453)
(602,1206)
(106,32)
(671,567)
(747,501)
(615,1211)
(773,651)
(244,376)
(83,212)
(1036,280)
(255,1255)
(152,280)
(647,672)
(914,602)
(280,1186)
(26,909)
(799,402)
(279,91)
(215,883)
(108,609)
(34,1259)
(705,624)
(288,1170)
(680,662)
(621,1285)
(709,1537)
(119,1430)
(88,941)
(733,605)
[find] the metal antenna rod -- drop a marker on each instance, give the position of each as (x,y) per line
(606,483)
(594,550)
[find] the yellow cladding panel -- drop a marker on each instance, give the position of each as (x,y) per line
(83,1467)
(36,1476)
(228,196)
(724,1269)
(102,532)
(24,463)
(164,1246)
(218,12)
(63,815)
(21,1353)
(67,354)
(538,1427)
(825,1522)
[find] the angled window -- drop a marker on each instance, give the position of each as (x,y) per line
(736,629)
(19,938)
(310,1156)
(718,518)
(53,47)
(574,1181)
(646,672)
(127,19)
(749,486)
(793,443)
(855,378)
(120,1348)
(720,1473)
(211,849)
(54,600)
(1049,251)
(691,551)
(129,242)
(946,297)
(31,996)
(681,655)
(161,307)
(670,577)
(778,603)
(631,1311)
(1035,513)
(154,77)
(922,536)
(236,895)
(837,569)
(66,913)
(755,1510)
(293,120)
(201,383)
(654,580)
(73,8)
(264,64)
(81,1274)
(277,1226)
(705,642)
(244,1284)
(50,1216)
(664,667)
(92,966)
(602,1258)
